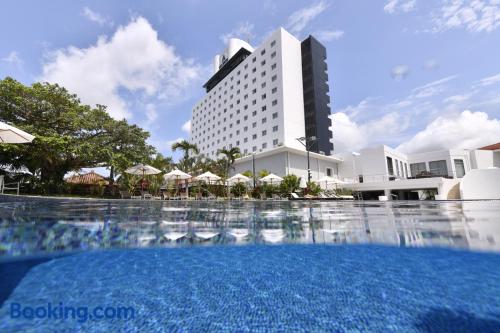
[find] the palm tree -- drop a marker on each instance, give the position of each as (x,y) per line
(231,155)
(186,147)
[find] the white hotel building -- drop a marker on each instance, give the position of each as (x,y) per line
(262,100)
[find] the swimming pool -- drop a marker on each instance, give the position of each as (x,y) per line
(252,266)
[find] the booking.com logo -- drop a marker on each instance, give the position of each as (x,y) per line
(78,313)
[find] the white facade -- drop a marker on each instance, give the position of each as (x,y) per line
(284,161)
(382,163)
(258,105)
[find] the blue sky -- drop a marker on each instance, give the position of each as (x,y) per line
(412,74)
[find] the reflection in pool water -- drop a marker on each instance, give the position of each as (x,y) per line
(31,226)
(181,267)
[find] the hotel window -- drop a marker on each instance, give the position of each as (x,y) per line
(275,128)
(263,74)
(264,108)
(264,132)
(274,90)
(329,172)
(246,75)
(237,132)
(237,122)
(264,145)
(264,120)
(417,169)
(245,97)
(254,136)
(263,62)
(459,168)
(273,66)
(254,148)
(254,70)
(438,168)
(245,107)
(275,102)
(275,115)
(245,129)
(237,143)
(273,54)
(274,78)
(246,86)
(254,102)
(254,113)
(397,167)
(263,96)
(245,140)
(263,85)
(390,166)
(254,80)
(254,59)
(254,125)
(245,118)
(273,43)
(254,91)
(263,52)
(246,66)
(275,142)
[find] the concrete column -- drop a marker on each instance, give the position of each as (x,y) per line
(387,193)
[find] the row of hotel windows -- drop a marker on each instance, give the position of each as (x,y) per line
(245,107)
(436,168)
(197,114)
(245,140)
(207,131)
(245,151)
(238,73)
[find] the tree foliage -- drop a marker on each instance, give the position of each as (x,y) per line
(68,134)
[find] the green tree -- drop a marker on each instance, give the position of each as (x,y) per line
(186,162)
(68,135)
(289,184)
(263,173)
(230,155)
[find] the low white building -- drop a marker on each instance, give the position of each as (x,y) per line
(284,161)
(383,171)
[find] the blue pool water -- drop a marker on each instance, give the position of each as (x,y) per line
(286,288)
(252,266)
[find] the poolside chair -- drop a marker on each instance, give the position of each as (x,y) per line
(295,196)
(146,195)
(9,186)
(125,194)
(206,235)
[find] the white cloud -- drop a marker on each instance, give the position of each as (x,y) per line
(151,113)
(243,31)
(467,130)
(301,18)
(394,6)
(432,88)
(96,17)
(186,127)
(13,59)
(431,64)
(348,135)
(488,81)
(328,35)
(133,60)
(474,16)
(400,72)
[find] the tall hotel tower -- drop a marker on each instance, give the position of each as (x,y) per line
(264,98)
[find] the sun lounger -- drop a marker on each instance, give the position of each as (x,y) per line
(273,236)
(206,235)
(174,236)
(239,234)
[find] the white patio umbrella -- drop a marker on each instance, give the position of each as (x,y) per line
(238,178)
(177,175)
(303,183)
(207,177)
(328,179)
(11,134)
(142,170)
(270,178)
